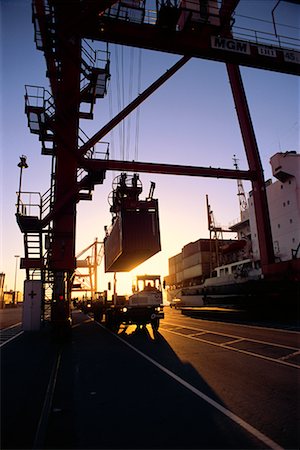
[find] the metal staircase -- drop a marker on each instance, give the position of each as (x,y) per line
(95,76)
(33,251)
(40,111)
(30,209)
(88,179)
(95,64)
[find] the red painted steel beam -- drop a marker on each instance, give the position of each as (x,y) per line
(254,162)
(227,9)
(166,169)
(134,166)
(207,43)
(134,104)
(66,134)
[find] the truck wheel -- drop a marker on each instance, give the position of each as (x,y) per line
(116,327)
(98,316)
(108,320)
(111,323)
(155,324)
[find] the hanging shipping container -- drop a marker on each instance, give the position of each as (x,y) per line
(134,237)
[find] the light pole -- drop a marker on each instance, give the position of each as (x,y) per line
(23,165)
(16,270)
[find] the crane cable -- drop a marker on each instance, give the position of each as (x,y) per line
(125,126)
(123,102)
(137,120)
(118,89)
(130,86)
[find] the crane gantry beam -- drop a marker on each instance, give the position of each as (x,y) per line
(167,169)
(146,167)
(209,42)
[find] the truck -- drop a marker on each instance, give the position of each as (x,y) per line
(144,306)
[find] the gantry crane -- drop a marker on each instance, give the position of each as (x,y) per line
(88,282)
(201,31)
(215,238)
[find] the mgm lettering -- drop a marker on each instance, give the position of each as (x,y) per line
(231,45)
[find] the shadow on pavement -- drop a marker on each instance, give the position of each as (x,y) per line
(110,397)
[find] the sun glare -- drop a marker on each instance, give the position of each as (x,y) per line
(157,265)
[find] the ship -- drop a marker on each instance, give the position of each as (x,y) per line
(228,283)
(230,272)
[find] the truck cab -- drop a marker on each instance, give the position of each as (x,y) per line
(144,306)
(146,291)
(146,300)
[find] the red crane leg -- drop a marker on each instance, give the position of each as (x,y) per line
(62,261)
(252,153)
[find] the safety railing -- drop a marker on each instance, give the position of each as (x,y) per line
(47,200)
(101,150)
(82,139)
(39,105)
(98,151)
(35,19)
(128,10)
(92,59)
(34,96)
(139,12)
(266,38)
(250,29)
(33,204)
(29,204)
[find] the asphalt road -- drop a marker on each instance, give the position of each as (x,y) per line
(10,316)
(196,384)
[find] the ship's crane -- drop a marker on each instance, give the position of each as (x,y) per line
(215,238)
(241,192)
(215,234)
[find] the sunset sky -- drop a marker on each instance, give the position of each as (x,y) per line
(190,120)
